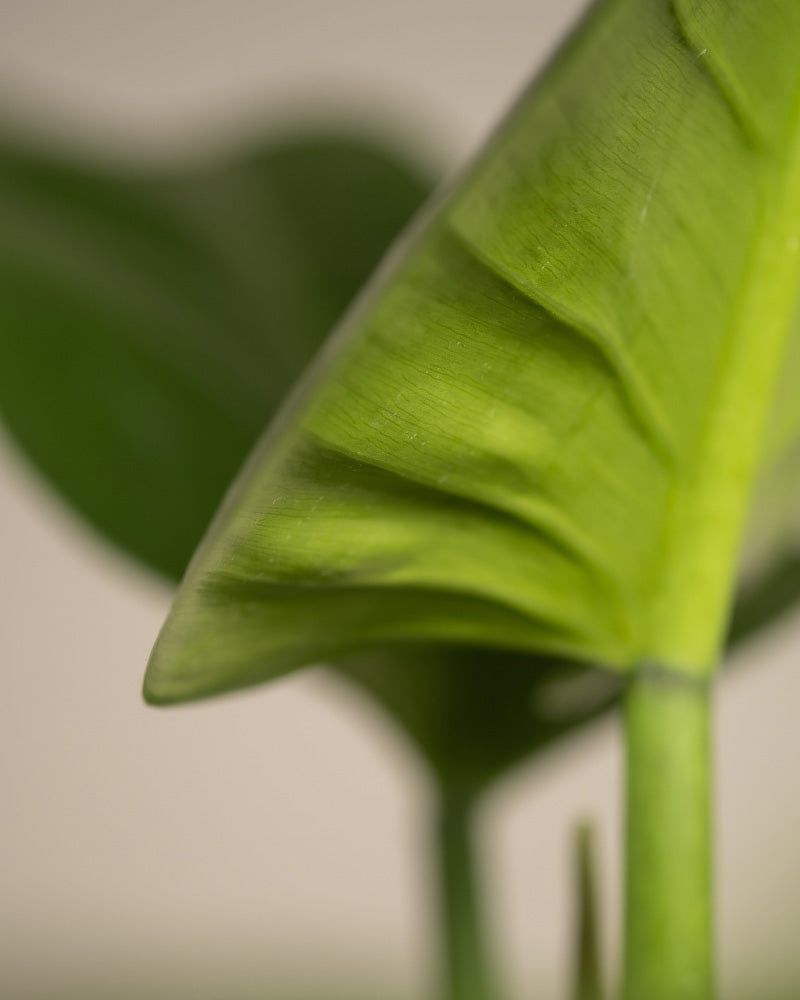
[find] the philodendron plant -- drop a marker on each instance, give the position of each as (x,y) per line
(539,428)
(512,489)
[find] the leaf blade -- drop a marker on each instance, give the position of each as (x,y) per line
(618,254)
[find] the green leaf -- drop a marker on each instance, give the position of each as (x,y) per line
(151,322)
(331,207)
(539,429)
(473,712)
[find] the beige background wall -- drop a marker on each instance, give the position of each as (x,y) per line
(260,834)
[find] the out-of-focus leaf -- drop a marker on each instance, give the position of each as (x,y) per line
(472,712)
(770,595)
(540,429)
(151,323)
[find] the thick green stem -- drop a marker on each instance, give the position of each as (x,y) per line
(668,925)
(466,969)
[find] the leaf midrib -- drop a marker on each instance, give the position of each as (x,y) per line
(694,574)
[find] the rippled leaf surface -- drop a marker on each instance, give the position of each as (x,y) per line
(539,429)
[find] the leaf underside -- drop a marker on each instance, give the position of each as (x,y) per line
(99,270)
(539,428)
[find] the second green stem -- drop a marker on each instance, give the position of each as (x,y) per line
(467,972)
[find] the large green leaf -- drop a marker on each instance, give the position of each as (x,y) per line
(293,226)
(151,322)
(331,207)
(539,429)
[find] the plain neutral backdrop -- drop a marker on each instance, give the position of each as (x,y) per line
(280,835)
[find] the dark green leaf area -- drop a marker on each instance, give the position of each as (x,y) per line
(759,603)
(150,323)
(476,712)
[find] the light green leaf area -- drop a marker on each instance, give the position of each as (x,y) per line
(757,68)
(152,320)
(539,429)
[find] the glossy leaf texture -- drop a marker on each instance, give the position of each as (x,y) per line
(539,429)
(151,321)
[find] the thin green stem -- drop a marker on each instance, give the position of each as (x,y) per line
(588,977)
(466,961)
(668,919)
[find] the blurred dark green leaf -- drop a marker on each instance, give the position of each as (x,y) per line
(475,712)
(151,323)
